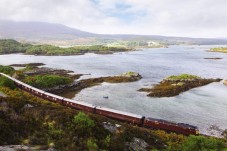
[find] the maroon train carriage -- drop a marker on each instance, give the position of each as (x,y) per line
(119,115)
(37,92)
(18,83)
(26,87)
(170,126)
(193,129)
(79,105)
(53,97)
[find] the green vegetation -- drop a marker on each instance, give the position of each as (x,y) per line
(220,49)
(47,81)
(25,119)
(174,85)
(5,82)
(130,73)
(201,143)
(12,46)
(83,123)
(183,77)
(7,69)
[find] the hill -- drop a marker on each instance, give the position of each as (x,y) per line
(51,33)
(39,30)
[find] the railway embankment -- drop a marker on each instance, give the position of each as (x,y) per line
(174,85)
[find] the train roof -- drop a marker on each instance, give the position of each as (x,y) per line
(8,76)
(187,125)
(119,112)
(15,80)
(53,95)
(38,90)
(173,123)
(78,102)
(161,121)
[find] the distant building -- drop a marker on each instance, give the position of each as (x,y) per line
(152,44)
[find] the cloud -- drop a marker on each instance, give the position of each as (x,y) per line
(196,18)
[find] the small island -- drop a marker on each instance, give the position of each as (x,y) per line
(174,85)
(213,58)
(60,81)
(219,49)
(77,86)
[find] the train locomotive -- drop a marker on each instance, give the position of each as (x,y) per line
(139,120)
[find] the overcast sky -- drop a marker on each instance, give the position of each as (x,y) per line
(193,18)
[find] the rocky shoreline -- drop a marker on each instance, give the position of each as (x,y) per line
(28,64)
(173,87)
(32,70)
(77,86)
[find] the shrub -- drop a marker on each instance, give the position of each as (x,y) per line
(5,82)
(46,81)
(83,124)
(182,77)
(91,145)
(6,69)
(201,143)
(83,121)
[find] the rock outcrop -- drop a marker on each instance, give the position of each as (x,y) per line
(174,86)
(225,82)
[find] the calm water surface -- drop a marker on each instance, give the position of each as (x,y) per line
(203,106)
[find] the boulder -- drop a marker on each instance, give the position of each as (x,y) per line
(137,144)
(225,82)
(133,75)
(111,127)
(51,149)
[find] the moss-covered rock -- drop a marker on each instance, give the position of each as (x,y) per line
(174,85)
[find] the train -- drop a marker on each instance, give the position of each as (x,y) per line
(135,119)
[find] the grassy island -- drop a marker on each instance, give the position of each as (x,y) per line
(47,81)
(175,84)
(220,49)
(12,46)
(183,77)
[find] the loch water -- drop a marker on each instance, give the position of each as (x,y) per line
(204,107)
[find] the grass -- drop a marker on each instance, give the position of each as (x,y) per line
(219,49)
(183,77)
(47,81)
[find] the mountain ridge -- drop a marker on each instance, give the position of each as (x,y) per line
(44,32)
